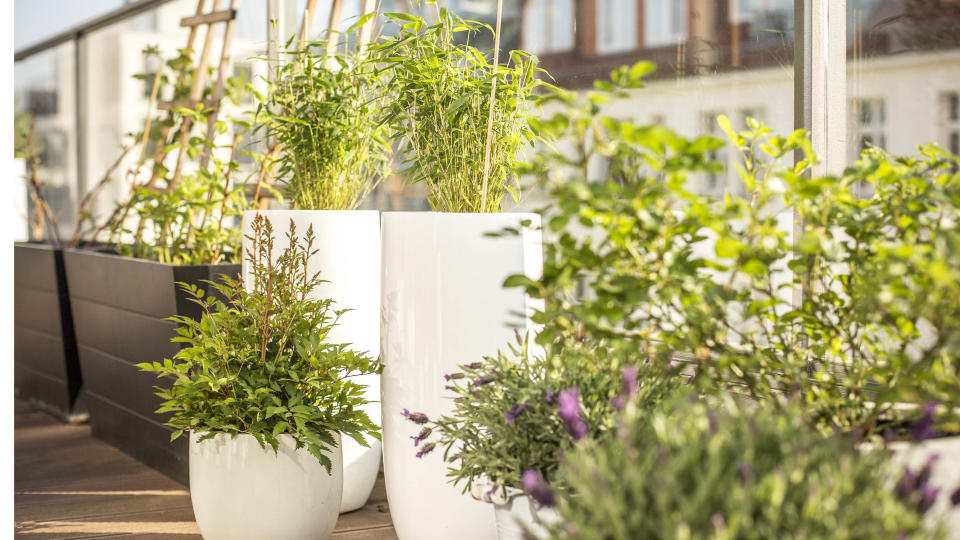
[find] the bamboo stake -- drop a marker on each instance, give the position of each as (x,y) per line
(493,95)
(333,36)
(196,93)
(308,14)
(223,203)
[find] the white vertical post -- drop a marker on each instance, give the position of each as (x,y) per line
(820,68)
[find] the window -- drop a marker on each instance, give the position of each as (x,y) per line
(548,26)
(664,22)
(616,26)
(711,184)
(950,115)
(869,119)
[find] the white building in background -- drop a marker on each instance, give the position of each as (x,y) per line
(903,68)
(733,58)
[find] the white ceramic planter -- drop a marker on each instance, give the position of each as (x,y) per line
(519,513)
(443,305)
(241,491)
(348,258)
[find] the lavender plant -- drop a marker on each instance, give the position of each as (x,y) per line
(516,413)
(262,363)
(728,470)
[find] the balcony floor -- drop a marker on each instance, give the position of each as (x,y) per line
(69,485)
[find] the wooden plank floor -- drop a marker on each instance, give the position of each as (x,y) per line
(69,485)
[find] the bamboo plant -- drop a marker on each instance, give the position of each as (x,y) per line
(442,89)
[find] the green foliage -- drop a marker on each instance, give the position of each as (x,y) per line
(188,219)
(693,469)
(440,110)
(719,284)
(326,113)
(505,418)
(191,223)
(262,362)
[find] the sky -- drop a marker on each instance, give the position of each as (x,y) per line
(36,20)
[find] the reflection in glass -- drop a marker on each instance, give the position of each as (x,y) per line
(44,88)
(730,58)
(903,74)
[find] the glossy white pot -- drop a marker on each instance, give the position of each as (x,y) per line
(348,258)
(241,491)
(520,513)
(443,305)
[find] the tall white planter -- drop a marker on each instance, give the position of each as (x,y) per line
(348,258)
(241,491)
(443,305)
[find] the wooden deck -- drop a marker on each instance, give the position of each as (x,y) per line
(69,485)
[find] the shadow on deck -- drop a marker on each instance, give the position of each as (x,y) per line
(69,485)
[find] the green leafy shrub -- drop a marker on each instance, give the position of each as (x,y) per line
(694,469)
(520,410)
(326,114)
(192,222)
(441,99)
(188,218)
(262,363)
(855,315)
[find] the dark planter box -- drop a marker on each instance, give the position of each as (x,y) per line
(120,306)
(46,370)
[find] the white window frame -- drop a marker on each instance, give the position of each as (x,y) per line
(542,16)
(622,12)
(650,39)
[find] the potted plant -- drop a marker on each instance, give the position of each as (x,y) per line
(517,413)
(175,226)
(700,468)
(265,395)
(442,300)
(325,115)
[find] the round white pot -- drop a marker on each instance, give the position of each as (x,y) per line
(521,512)
(348,258)
(241,491)
(443,305)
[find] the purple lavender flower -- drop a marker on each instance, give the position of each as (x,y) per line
(928,496)
(537,488)
(451,388)
(618,402)
(745,472)
(486,379)
(670,365)
(923,428)
(719,523)
(415,417)
(927,470)
(427,448)
(569,411)
(907,485)
(629,378)
(473,366)
(550,397)
(424,433)
(515,411)
(453,376)
(955,497)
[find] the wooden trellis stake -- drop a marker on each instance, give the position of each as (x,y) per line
(493,95)
(200,74)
